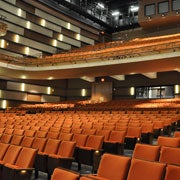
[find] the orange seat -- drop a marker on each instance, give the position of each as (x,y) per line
(3,149)
(168,141)
(133,136)
(91,151)
(16,140)
(51,147)
(172,172)
(64,175)
(146,152)
(141,170)
(23,167)
(115,143)
(27,141)
(112,167)
(39,143)
(30,133)
(11,154)
(63,158)
(170,155)
(65,136)
(5,138)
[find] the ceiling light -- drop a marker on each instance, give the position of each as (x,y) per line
(134,8)
(115,13)
(100,5)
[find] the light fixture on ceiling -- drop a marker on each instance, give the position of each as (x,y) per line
(101,5)
(134,8)
(115,13)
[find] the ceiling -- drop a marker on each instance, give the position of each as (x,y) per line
(100,16)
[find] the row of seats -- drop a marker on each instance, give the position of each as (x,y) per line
(113,167)
(16,162)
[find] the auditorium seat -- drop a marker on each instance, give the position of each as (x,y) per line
(63,158)
(103,132)
(133,136)
(141,170)
(146,152)
(89,131)
(112,167)
(19,132)
(39,144)
(168,141)
(16,140)
(62,174)
(177,134)
(29,133)
(23,167)
(27,141)
(147,133)
(172,172)
(91,152)
(170,155)
(10,156)
(65,136)
(3,149)
(41,134)
(52,135)
(5,138)
(51,147)
(115,143)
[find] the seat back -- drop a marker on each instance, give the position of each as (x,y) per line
(80,139)
(89,131)
(30,133)
(11,154)
(39,143)
(65,136)
(146,152)
(95,142)
(172,172)
(19,132)
(26,158)
(6,138)
(177,134)
(170,155)
(52,135)
(117,136)
(3,149)
(141,169)
(103,132)
(51,146)
(113,167)
(27,141)
(66,148)
(16,140)
(41,134)
(168,141)
(134,132)
(64,175)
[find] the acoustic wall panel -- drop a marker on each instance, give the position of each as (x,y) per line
(56,20)
(14,28)
(12,9)
(26,24)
